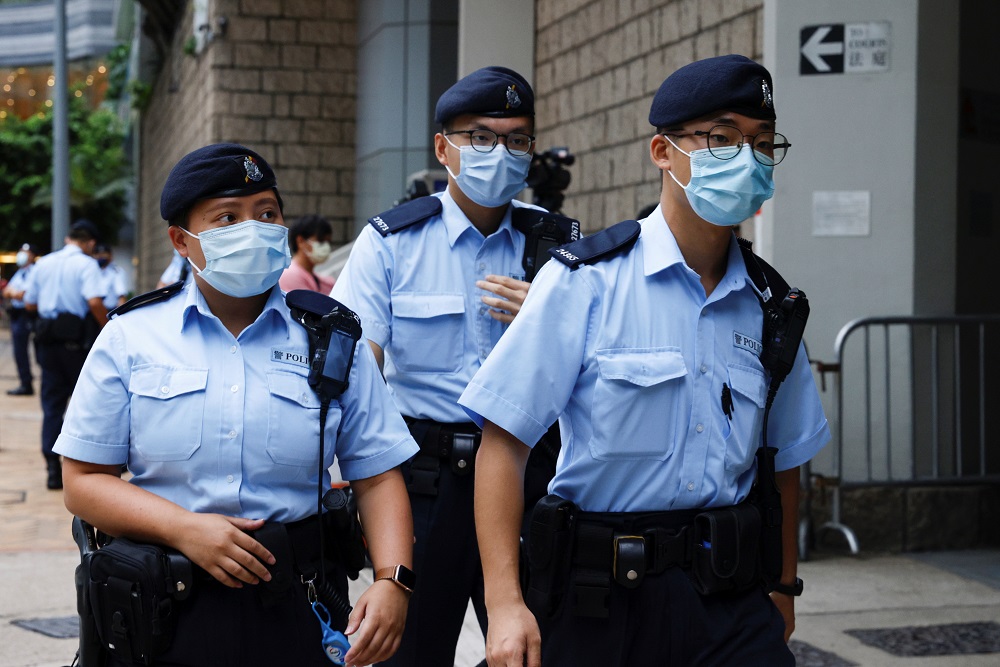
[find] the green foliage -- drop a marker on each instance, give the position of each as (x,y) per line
(98,174)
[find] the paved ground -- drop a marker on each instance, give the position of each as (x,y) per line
(907,593)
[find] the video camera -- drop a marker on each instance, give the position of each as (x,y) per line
(548,177)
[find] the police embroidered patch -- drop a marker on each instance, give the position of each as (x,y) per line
(286,357)
(751,345)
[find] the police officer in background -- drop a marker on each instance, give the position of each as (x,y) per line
(21,321)
(115,283)
(436,281)
(202,390)
(646,338)
(67,292)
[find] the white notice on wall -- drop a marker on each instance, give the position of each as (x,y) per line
(842,213)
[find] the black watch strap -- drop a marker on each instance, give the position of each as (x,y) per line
(400,575)
(788,589)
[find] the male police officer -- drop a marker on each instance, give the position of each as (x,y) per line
(67,291)
(646,338)
(21,321)
(435,282)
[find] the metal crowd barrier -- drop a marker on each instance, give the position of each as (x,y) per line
(936,358)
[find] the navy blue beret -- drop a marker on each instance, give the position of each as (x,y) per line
(219,170)
(497,92)
(87,227)
(724,83)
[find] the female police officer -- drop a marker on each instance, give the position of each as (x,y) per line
(204,394)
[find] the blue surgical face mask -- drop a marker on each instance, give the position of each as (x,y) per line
(490,179)
(726,192)
(244,259)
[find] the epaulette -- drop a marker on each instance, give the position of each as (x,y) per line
(161,294)
(601,245)
(524,219)
(764,277)
(405,215)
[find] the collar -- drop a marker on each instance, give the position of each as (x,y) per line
(457,223)
(659,247)
(195,306)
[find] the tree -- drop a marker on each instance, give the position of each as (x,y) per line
(98,174)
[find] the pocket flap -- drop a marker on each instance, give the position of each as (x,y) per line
(292,387)
(420,304)
(642,367)
(164,382)
(750,383)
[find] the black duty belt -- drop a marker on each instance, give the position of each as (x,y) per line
(455,443)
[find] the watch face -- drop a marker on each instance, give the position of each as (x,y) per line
(405,576)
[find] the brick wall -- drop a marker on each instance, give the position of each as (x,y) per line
(598,64)
(282,80)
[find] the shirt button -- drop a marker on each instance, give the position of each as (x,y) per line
(232,434)
(165,389)
(482,267)
(233,349)
(699,428)
(235,388)
(690,486)
(229,478)
(704,368)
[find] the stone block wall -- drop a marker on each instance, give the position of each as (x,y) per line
(597,66)
(281,80)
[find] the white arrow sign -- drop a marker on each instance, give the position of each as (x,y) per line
(815,47)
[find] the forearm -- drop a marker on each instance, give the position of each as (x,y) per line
(385,514)
(499,506)
(788,485)
(98,310)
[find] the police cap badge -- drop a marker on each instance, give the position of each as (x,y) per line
(724,83)
(497,92)
(218,170)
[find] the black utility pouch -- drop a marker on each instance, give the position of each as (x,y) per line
(63,328)
(550,547)
(726,553)
(134,589)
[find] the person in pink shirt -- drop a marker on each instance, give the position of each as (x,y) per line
(309,241)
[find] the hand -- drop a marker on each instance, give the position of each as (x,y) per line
(221,546)
(378,618)
(513,638)
(513,292)
(786,605)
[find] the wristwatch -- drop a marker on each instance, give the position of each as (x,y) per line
(788,589)
(400,575)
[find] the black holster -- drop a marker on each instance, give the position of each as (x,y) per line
(549,550)
(451,445)
(725,555)
(133,591)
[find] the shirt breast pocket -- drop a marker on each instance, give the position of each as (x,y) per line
(428,332)
(293,422)
(637,403)
(167,408)
(749,392)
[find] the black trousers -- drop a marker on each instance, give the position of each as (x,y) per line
(61,365)
(664,622)
(449,573)
(20,336)
(229,627)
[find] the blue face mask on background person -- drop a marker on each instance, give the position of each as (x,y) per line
(490,179)
(244,259)
(726,192)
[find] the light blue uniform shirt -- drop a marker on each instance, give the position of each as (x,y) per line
(222,424)
(114,284)
(19,282)
(633,356)
(416,293)
(63,282)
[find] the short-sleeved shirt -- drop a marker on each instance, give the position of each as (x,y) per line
(416,293)
(633,356)
(296,277)
(19,283)
(64,281)
(115,285)
(222,424)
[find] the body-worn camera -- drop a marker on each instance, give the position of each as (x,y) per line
(542,231)
(783,328)
(334,331)
(548,177)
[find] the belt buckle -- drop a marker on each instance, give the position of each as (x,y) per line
(629,564)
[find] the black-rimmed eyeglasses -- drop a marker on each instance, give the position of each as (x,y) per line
(769,148)
(484,141)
